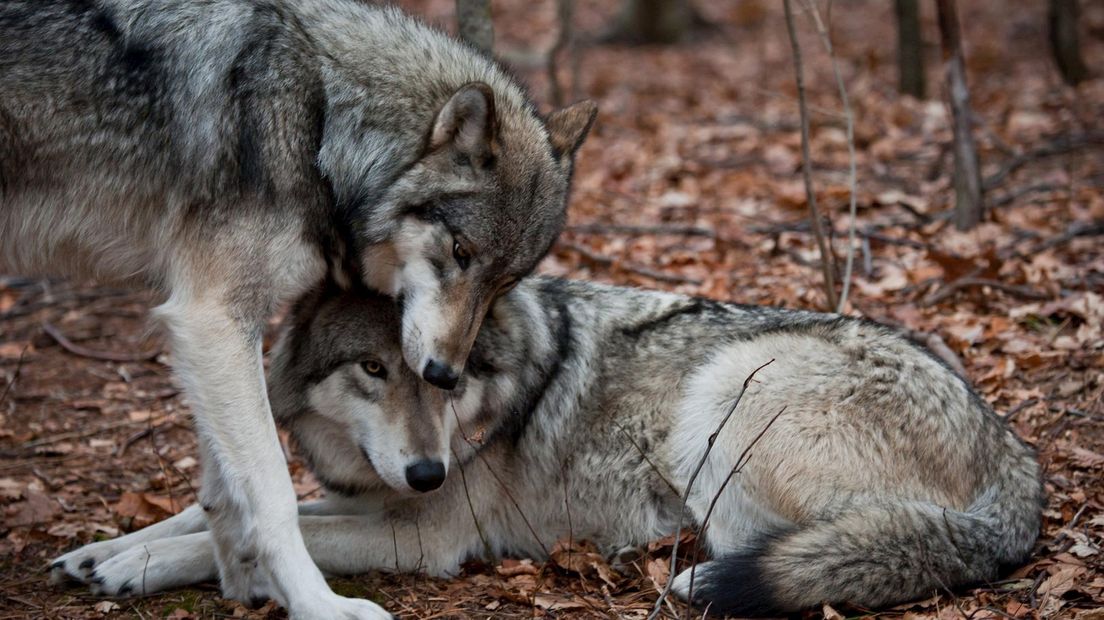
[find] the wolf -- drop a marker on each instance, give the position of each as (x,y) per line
(855,467)
(232,153)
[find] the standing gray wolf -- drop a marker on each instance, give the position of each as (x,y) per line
(584,411)
(230,153)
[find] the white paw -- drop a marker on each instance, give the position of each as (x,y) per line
(155,566)
(77,565)
(339,608)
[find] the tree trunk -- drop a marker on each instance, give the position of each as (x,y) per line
(653,21)
(565,41)
(967,171)
(473,18)
(910,49)
(1062,17)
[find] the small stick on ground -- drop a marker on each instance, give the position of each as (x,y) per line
(969,282)
(647,272)
(690,487)
(630,229)
(109,356)
(15,375)
(827,265)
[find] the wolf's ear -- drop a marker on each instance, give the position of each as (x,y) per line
(568,127)
(467,122)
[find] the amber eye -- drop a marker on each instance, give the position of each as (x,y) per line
(374,368)
(462,255)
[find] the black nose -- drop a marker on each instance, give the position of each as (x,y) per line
(440,375)
(424,476)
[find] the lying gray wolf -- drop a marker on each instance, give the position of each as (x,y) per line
(231,153)
(584,411)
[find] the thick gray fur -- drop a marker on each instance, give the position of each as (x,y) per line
(886,477)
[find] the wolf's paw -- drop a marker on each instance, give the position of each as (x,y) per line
(155,566)
(339,607)
(77,565)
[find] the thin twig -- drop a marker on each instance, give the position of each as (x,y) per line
(110,356)
(502,485)
(971,282)
(1059,146)
(741,462)
(487,550)
(826,264)
(15,374)
(690,486)
(629,229)
(607,261)
(851,181)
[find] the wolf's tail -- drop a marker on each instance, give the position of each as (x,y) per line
(880,554)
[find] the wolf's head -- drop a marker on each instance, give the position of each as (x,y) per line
(474,213)
(339,383)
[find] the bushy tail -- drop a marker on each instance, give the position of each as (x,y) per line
(880,554)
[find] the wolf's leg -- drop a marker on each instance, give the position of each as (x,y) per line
(339,545)
(79,563)
(247,494)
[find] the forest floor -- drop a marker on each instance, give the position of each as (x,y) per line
(691,182)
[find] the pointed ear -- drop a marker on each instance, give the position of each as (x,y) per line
(467,122)
(568,127)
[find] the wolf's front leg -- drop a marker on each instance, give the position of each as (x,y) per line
(247,495)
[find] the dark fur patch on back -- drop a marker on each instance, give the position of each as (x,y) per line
(694,307)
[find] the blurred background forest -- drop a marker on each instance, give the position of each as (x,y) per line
(978,194)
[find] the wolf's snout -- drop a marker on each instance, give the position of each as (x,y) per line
(440,375)
(425,476)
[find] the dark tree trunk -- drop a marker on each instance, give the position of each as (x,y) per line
(1062,18)
(910,49)
(967,171)
(654,21)
(473,18)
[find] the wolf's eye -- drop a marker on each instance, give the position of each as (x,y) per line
(374,368)
(508,286)
(462,255)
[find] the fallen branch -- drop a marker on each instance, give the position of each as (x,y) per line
(629,229)
(1083,229)
(951,288)
(607,261)
(690,486)
(109,356)
(826,264)
(1059,146)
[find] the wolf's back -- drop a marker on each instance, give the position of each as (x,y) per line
(883,553)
